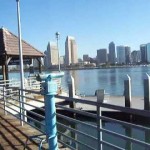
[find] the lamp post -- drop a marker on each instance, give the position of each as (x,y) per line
(20,56)
(20,45)
(57,38)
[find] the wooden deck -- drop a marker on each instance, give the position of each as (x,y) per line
(13,136)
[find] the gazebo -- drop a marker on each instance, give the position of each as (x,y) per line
(9,52)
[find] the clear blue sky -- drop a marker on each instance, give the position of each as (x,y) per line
(94,23)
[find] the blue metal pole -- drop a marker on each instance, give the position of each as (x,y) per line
(50,114)
(49,91)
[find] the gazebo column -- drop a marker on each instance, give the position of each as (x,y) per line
(5,68)
(6,72)
(40,66)
(3,72)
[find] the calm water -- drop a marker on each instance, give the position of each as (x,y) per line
(117,128)
(112,80)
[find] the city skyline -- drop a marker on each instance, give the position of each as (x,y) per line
(93,26)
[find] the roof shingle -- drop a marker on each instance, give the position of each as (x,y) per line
(9,45)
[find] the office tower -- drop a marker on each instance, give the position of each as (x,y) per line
(70,51)
(86,58)
(148,52)
(121,55)
(62,60)
(143,49)
(112,53)
(51,55)
(101,56)
(127,54)
(136,57)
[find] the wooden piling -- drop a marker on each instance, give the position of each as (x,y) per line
(147,92)
(127,92)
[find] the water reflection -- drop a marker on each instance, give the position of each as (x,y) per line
(111,79)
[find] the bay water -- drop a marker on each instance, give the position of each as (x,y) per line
(112,80)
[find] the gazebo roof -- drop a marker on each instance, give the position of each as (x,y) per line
(9,46)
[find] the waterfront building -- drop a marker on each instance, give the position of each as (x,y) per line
(70,51)
(62,60)
(127,54)
(101,56)
(51,55)
(86,58)
(136,57)
(148,52)
(143,49)
(112,53)
(121,54)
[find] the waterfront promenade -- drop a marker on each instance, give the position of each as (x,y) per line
(13,136)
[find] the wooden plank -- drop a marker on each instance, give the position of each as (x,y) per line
(13,136)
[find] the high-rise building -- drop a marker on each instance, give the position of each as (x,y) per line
(112,53)
(101,56)
(51,55)
(127,54)
(86,58)
(121,55)
(148,52)
(143,49)
(70,51)
(136,57)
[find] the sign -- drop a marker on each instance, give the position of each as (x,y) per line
(17,61)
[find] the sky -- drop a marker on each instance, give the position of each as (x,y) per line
(93,23)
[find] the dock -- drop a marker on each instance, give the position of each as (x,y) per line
(13,136)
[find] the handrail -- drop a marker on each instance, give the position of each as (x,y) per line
(13,102)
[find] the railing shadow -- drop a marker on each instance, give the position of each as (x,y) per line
(13,136)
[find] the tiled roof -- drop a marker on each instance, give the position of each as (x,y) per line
(9,45)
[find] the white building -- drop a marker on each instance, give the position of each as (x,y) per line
(121,54)
(70,51)
(51,55)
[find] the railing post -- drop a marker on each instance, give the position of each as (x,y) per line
(4,98)
(21,108)
(49,92)
(71,86)
(100,98)
(127,91)
(147,92)
(72,104)
(128,132)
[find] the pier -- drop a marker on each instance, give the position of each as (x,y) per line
(23,119)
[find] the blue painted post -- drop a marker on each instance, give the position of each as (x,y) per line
(49,91)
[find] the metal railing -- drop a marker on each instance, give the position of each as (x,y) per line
(77,128)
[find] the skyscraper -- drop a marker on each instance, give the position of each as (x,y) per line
(120,54)
(51,55)
(112,53)
(70,51)
(127,54)
(86,58)
(136,56)
(101,56)
(143,50)
(148,52)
